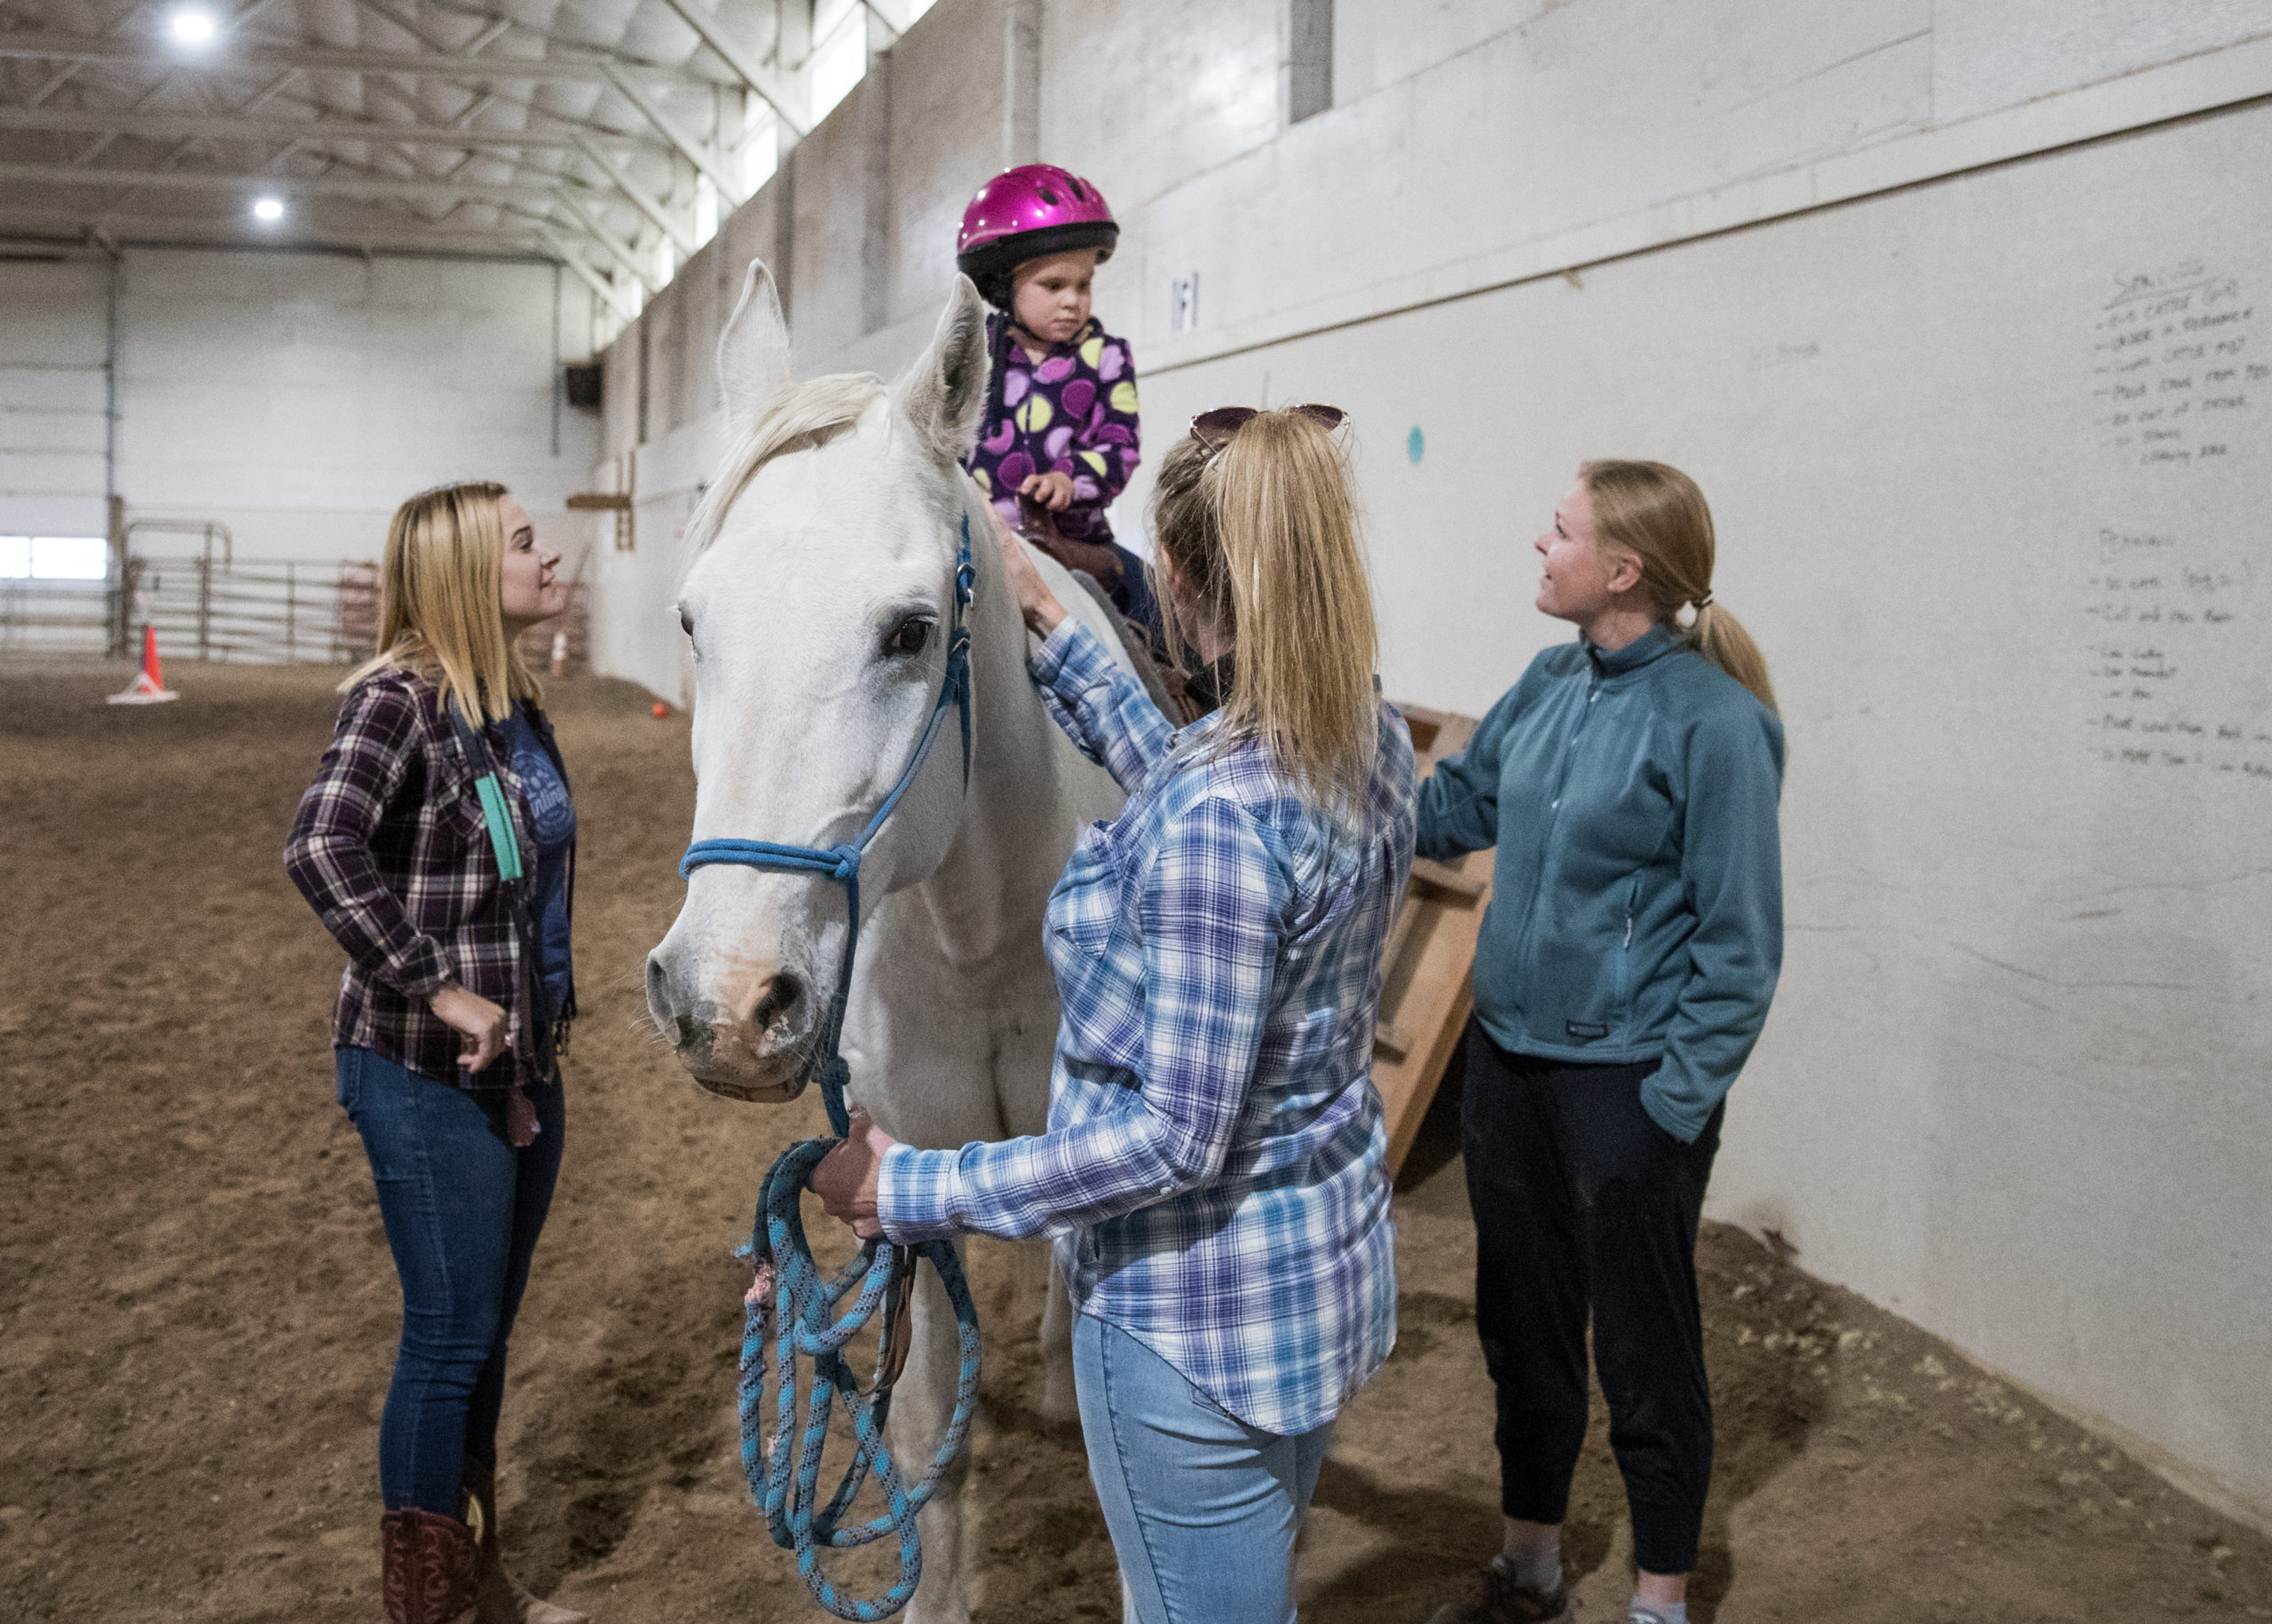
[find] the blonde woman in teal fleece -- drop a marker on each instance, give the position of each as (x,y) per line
(1630,782)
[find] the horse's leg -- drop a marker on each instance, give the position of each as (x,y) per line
(920,1067)
(1057,1399)
(922,1405)
(1021,1080)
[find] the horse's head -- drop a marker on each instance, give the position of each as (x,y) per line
(818,604)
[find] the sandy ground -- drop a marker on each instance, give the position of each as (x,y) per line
(197,1310)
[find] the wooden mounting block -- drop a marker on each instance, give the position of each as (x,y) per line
(1428,966)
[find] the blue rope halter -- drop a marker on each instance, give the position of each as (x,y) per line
(804,1298)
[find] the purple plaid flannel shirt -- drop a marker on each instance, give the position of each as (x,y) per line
(391,850)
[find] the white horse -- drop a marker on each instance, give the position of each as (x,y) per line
(818,606)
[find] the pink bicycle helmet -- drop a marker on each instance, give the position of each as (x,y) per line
(1030,212)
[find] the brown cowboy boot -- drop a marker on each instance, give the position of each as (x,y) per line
(500,1600)
(430,1568)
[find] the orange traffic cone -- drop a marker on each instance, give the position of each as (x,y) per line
(149,684)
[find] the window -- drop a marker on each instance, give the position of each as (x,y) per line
(840,58)
(761,145)
(705,209)
(54,558)
(1309,59)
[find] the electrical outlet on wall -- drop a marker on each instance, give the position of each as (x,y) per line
(1183,303)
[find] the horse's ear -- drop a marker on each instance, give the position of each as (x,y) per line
(943,393)
(752,351)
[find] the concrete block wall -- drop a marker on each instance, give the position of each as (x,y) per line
(299,398)
(1516,154)
(1459,131)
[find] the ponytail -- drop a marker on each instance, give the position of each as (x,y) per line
(1656,515)
(1720,637)
(1262,530)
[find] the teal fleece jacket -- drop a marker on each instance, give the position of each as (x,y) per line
(1636,902)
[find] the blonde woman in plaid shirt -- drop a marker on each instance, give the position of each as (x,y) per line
(1214,1172)
(453,905)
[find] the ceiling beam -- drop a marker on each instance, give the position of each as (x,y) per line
(63,76)
(433,42)
(896,15)
(618,298)
(131,229)
(698,152)
(232,57)
(665,218)
(223,127)
(597,229)
(315,186)
(785,94)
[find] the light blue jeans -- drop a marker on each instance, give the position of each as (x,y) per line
(1203,1509)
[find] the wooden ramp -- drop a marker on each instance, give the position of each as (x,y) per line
(1428,986)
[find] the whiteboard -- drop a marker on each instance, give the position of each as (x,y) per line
(1991,462)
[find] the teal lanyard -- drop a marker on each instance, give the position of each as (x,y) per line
(502,841)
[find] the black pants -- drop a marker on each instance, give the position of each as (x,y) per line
(1582,1201)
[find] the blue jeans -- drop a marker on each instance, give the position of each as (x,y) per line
(462,1210)
(1203,1509)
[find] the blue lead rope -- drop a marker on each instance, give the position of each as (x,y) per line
(788,1490)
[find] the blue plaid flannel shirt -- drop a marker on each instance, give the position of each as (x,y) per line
(1214,1176)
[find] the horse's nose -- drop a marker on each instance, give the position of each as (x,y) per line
(776,1000)
(738,1023)
(768,999)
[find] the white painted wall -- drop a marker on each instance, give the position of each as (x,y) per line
(51,367)
(2013,1086)
(2015,1082)
(299,398)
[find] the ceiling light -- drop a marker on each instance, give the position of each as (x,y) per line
(191,25)
(269,208)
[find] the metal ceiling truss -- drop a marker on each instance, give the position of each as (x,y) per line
(325,131)
(440,189)
(91,50)
(588,137)
(67,226)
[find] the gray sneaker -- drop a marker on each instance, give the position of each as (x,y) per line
(1503,1601)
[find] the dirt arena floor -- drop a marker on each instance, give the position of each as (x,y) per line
(197,1310)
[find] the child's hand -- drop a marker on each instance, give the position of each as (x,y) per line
(1052,490)
(1036,602)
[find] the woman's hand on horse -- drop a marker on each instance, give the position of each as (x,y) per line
(478,1022)
(846,1179)
(1036,602)
(1052,490)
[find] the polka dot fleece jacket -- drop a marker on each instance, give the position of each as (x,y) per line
(1073,411)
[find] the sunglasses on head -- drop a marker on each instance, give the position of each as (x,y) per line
(1216,427)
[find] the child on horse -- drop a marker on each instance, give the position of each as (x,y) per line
(1059,438)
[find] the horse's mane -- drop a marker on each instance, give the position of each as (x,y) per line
(803,416)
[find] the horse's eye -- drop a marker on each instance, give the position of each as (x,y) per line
(686,623)
(910,635)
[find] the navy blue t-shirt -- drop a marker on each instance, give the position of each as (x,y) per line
(555,818)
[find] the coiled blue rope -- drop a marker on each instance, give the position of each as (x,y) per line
(786,1486)
(785,1479)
